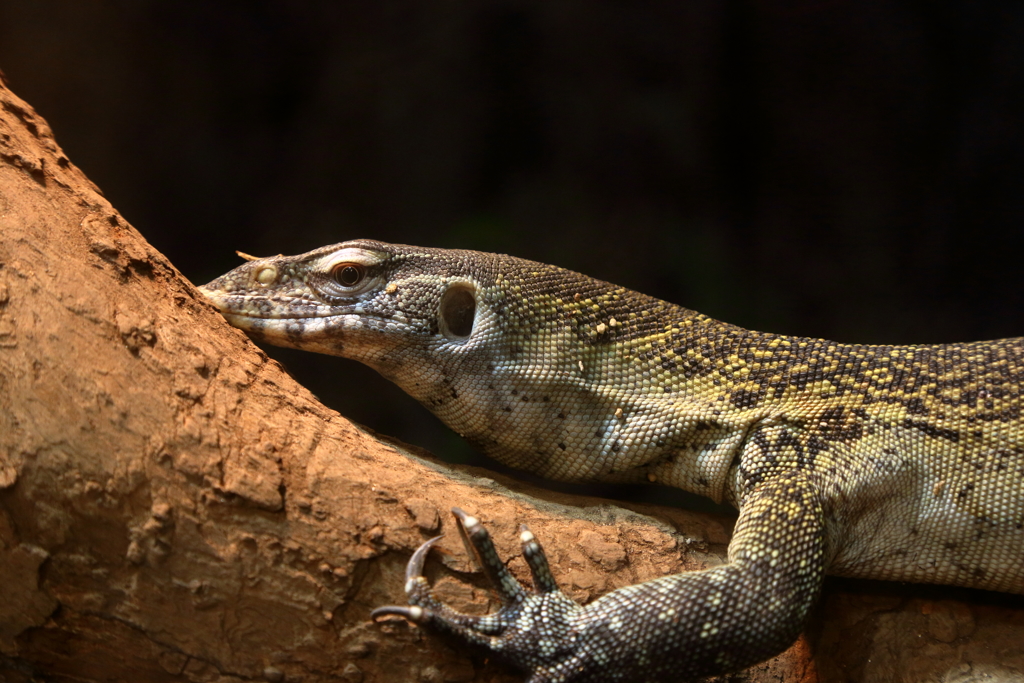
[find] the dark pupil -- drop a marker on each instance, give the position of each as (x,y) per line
(349,275)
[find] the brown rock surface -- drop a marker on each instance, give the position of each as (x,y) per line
(174,507)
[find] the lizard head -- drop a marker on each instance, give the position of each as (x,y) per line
(414,314)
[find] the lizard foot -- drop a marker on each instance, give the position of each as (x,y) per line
(533,630)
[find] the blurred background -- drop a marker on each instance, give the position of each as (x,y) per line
(830,168)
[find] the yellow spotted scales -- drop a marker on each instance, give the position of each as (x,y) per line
(887,462)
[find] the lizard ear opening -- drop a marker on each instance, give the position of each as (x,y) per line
(458,311)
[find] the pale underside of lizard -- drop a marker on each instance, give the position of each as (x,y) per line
(887,462)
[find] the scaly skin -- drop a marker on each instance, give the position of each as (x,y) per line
(887,462)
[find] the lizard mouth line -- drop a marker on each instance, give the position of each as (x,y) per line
(274,325)
(297,317)
(247,307)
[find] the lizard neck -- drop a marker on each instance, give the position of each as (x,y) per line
(589,382)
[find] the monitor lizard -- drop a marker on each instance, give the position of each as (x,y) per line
(899,463)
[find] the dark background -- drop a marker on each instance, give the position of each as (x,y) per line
(850,170)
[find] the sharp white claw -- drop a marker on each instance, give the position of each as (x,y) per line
(413,614)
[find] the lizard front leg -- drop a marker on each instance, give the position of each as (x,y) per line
(670,629)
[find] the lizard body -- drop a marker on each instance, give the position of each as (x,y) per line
(887,462)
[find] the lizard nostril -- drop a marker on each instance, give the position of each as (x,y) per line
(458,311)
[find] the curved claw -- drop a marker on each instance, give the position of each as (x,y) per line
(423,607)
(414,568)
(479,541)
(414,614)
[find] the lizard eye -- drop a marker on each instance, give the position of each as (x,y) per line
(348,274)
(341,276)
